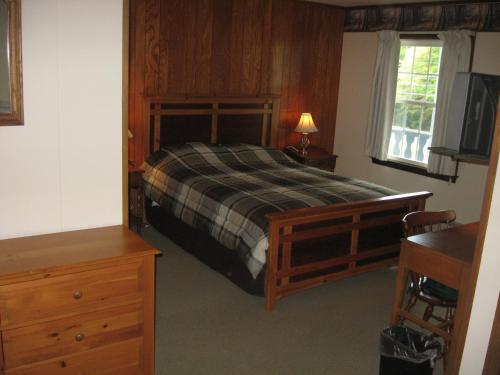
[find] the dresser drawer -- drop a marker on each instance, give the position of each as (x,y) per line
(117,359)
(69,294)
(39,342)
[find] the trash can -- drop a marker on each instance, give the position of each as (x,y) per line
(405,351)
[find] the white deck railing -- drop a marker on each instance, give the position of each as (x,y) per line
(410,144)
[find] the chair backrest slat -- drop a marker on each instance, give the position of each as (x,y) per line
(427,221)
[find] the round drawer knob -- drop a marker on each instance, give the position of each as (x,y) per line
(79,337)
(77,294)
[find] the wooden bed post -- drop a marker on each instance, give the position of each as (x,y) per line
(273,142)
(214,125)
(272,266)
(421,205)
(286,255)
(354,239)
(157,125)
(265,127)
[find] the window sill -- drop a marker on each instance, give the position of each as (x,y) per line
(407,162)
(414,169)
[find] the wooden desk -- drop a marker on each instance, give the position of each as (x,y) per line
(445,256)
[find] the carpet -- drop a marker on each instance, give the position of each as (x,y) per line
(207,325)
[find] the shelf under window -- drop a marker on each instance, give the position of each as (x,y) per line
(457,156)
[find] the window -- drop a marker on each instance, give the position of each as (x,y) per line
(408,111)
(415,104)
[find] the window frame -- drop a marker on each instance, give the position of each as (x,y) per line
(421,40)
(13,60)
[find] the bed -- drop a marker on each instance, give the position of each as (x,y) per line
(271,225)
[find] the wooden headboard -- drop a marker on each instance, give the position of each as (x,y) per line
(174,120)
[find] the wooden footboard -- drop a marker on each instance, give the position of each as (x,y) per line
(311,246)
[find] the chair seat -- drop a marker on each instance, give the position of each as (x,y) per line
(431,288)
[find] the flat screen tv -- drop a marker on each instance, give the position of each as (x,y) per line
(471,121)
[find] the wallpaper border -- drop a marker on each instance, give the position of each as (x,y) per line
(429,17)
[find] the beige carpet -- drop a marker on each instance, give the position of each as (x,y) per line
(207,325)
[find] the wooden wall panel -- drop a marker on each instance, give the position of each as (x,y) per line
(152,40)
(221,51)
(287,48)
(136,81)
(185,47)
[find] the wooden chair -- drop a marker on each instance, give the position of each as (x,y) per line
(431,292)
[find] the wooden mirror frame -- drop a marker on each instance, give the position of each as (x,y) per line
(16,115)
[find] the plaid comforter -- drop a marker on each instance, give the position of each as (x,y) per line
(226,191)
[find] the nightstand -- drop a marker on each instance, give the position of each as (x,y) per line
(135,199)
(316,157)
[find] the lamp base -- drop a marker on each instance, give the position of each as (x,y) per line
(304,143)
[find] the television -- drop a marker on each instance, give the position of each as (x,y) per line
(473,106)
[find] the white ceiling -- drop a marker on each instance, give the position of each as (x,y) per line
(355,3)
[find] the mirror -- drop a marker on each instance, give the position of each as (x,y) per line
(11,87)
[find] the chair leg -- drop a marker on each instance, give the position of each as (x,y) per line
(449,313)
(428,312)
(449,319)
(445,355)
(411,302)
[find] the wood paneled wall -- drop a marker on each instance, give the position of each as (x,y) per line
(287,48)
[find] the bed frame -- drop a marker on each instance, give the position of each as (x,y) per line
(308,246)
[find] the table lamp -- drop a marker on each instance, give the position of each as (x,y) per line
(305,126)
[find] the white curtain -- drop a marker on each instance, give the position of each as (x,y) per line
(455,57)
(383,95)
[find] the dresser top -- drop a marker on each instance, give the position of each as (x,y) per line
(37,256)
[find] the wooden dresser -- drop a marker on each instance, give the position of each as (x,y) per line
(79,303)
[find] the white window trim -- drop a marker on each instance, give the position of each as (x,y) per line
(422,42)
(414,163)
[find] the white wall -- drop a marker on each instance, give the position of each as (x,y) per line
(358,60)
(62,169)
(488,283)
(486,295)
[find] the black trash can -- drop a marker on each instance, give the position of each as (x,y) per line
(405,351)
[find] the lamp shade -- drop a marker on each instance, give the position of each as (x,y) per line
(306,124)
